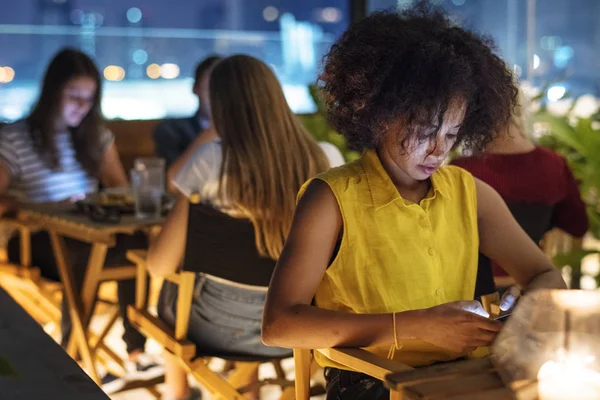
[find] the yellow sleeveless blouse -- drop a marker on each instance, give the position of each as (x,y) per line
(396,255)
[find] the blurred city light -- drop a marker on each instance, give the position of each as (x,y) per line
(331,14)
(76,16)
(134,15)
(270,13)
(114,73)
(562,55)
(139,56)
(556,92)
(7,74)
(153,71)
(169,71)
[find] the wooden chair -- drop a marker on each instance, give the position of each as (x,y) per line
(360,360)
(217,245)
(37,295)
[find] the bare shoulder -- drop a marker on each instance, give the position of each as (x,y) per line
(318,202)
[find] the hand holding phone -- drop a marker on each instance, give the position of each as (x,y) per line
(503,318)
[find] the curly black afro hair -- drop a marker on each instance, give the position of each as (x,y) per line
(413,64)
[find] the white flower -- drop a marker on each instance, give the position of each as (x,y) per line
(585,106)
(560,108)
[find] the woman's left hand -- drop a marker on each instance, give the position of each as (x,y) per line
(509,299)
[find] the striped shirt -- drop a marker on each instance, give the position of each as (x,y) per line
(31,179)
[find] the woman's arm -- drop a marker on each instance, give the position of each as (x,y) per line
(166,252)
(111,172)
(504,241)
(291,321)
(208,135)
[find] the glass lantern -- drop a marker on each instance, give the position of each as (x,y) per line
(549,349)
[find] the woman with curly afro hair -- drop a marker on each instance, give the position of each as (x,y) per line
(382,252)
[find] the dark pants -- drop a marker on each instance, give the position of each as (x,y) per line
(348,385)
(42,257)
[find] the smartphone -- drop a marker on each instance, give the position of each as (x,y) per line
(503,318)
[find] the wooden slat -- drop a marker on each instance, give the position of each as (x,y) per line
(212,381)
(137,256)
(302,366)
(141,286)
(81,227)
(243,373)
(173,278)
(114,358)
(396,395)
(184,304)
(89,289)
(491,304)
(469,384)
(25,244)
(438,371)
(364,361)
(158,330)
(75,307)
(95,341)
(118,273)
(492,394)
(80,231)
(288,394)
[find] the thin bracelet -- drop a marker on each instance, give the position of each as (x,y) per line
(396,345)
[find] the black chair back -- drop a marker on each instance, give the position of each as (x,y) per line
(535,219)
(225,247)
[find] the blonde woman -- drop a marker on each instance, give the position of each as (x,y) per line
(254,171)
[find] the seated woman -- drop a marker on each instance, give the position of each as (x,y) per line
(382,252)
(59,153)
(526,175)
(254,171)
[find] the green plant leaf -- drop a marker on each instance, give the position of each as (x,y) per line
(572,258)
(562,131)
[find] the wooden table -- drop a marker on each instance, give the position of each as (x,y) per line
(42,370)
(61,222)
(459,380)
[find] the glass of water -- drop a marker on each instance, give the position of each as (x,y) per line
(155,167)
(147,185)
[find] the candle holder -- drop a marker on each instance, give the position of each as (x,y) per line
(550,347)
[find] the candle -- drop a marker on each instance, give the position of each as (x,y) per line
(568,379)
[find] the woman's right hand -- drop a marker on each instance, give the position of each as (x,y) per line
(460,326)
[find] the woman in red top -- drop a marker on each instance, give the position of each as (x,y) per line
(535,182)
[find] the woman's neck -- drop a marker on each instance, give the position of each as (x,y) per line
(511,141)
(409,188)
(60,126)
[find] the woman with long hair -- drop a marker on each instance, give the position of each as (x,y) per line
(254,171)
(58,153)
